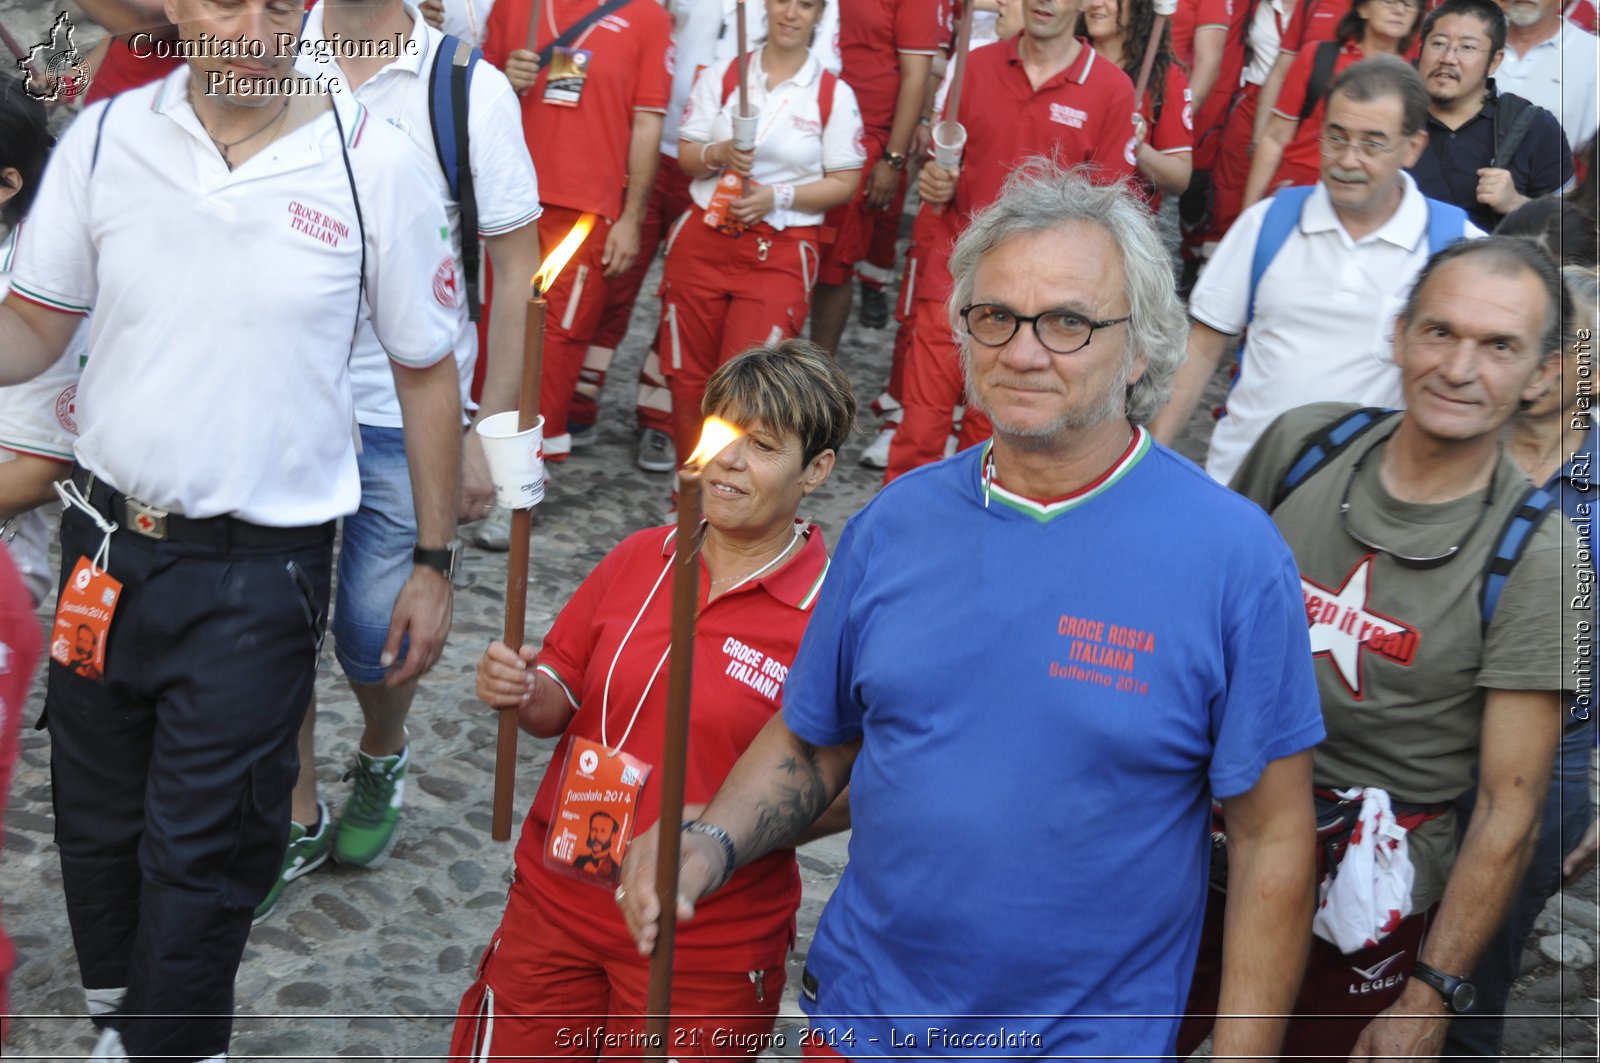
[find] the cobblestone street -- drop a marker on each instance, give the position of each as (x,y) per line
(371,964)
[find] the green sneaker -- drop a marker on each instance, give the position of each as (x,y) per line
(306,853)
(366,830)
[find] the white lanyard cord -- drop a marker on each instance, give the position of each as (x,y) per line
(71,497)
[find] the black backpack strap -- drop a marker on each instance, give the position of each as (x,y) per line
(1513,117)
(573,31)
(1321,75)
(1323,447)
(100,132)
(460,87)
(355,197)
(1508,548)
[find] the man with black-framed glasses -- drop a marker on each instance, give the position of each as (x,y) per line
(1316,274)
(1488,152)
(1438,601)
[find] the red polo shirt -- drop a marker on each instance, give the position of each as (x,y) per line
(121,70)
(872,34)
(1191,16)
(1083,115)
(745,642)
(1312,21)
(581,152)
(1303,150)
(1172,131)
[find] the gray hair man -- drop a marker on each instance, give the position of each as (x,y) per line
(995,636)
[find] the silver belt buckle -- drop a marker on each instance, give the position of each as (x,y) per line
(145,520)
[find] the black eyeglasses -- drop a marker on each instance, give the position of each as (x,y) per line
(1405,560)
(1058,331)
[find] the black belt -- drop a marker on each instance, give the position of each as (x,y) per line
(152,522)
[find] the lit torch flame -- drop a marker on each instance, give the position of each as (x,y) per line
(557,260)
(715,437)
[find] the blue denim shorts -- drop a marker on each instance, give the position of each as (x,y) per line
(375,555)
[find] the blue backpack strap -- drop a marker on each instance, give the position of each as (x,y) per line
(1447,223)
(1514,538)
(99,134)
(449,89)
(1323,447)
(1282,216)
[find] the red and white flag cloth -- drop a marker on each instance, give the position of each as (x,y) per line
(1371,892)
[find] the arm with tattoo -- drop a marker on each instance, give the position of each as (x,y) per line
(779,788)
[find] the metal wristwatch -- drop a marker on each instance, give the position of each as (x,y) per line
(443,559)
(1458,993)
(895,159)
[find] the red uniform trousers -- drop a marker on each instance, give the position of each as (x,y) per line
(877,269)
(721,295)
(669,198)
(542,994)
(20,639)
(1232,169)
(576,300)
(850,232)
(933,387)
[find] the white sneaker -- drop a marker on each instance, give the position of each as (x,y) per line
(876,456)
(108,1049)
(494,531)
(656,453)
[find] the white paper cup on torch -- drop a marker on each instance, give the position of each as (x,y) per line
(744,131)
(949,141)
(516,459)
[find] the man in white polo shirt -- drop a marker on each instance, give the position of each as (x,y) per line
(1554,64)
(1321,314)
(214,454)
(375,550)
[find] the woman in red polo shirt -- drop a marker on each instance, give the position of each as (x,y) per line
(739,270)
(562,977)
(1288,153)
(1120,31)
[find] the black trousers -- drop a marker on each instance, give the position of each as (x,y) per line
(172,777)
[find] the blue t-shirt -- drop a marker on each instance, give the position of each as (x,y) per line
(1048,696)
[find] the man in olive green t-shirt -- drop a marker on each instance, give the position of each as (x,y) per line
(1393,536)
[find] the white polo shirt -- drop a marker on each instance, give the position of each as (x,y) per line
(225,303)
(1324,316)
(791,145)
(1560,75)
(502,175)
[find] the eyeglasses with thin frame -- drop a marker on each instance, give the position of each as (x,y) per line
(1441,45)
(1333,145)
(1058,331)
(1406,560)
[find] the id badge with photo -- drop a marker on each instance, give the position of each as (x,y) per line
(569,69)
(83,618)
(595,813)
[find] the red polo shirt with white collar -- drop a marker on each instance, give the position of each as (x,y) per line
(1083,115)
(872,34)
(745,642)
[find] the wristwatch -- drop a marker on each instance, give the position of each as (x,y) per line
(895,159)
(443,559)
(1458,993)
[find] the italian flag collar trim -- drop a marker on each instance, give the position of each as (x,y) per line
(1044,512)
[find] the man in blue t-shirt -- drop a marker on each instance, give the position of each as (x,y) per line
(1020,630)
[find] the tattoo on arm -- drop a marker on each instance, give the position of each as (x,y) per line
(799,799)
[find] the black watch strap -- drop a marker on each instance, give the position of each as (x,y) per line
(1458,993)
(442,559)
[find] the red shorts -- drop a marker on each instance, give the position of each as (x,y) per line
(721,295)
(540,994)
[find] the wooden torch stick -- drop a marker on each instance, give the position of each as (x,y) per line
(1149,63)
(12,46)
(744,80)
(675,747)
(952,103)
(505,752)
(534,13)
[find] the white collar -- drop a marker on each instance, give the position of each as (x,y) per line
(1405,227)
(410,60)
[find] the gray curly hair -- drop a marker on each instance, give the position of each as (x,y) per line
(1040,195)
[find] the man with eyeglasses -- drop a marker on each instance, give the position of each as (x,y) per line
(1488,152)
(1440,644)
(1318,287)
(1019,627)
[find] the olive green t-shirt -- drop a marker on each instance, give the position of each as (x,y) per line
(1402,658)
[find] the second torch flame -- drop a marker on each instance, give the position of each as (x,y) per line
(557,260)
(715,437)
